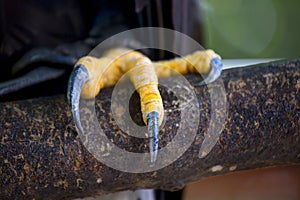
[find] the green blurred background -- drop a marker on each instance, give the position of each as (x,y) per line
(252,28)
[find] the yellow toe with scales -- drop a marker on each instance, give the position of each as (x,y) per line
(107,70)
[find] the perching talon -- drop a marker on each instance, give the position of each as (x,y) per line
(152,121)
(85,82)
(78,78)
(215,71)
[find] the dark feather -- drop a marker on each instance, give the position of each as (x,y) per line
(140,5)
(186,19)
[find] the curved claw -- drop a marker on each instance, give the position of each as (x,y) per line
(152,121)
(78,78)
(215,72)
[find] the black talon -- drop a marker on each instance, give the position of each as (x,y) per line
(152,121)
(215,72)
(77,79)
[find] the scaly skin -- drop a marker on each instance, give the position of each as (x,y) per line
(113,65)
(93,74)
(198,62)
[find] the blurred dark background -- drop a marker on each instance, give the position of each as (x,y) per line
(233,28)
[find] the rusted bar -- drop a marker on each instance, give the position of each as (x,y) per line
(42,157)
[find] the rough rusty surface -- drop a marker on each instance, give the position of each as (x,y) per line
(42,157)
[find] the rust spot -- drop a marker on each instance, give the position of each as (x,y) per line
(78,182)
(77,164)
(62,183)
(298,84)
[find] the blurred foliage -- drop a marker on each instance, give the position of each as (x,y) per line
(256,28)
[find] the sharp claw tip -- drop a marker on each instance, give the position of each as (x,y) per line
(153,155)
(152,121)
(77,79)
(216,65)
(216,70)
